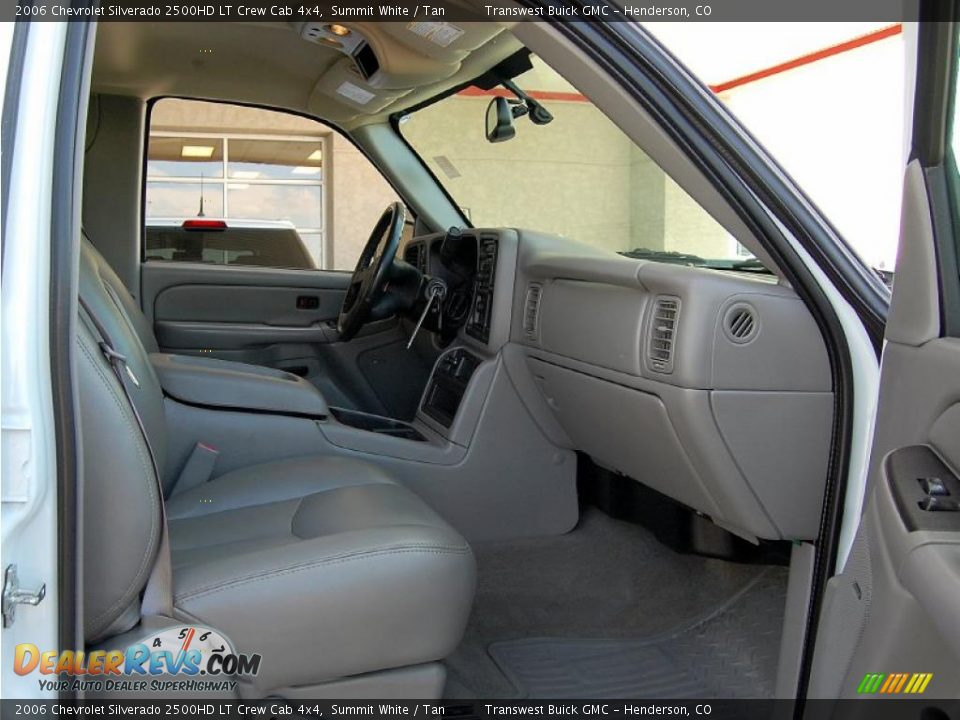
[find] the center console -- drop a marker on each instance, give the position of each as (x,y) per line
(377,424)
(226,385)
(448,385)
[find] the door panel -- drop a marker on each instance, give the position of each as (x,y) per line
(892,609)
(189,291)
(272,306)
(284,319)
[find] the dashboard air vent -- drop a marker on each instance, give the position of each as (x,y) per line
(741,324)
(531,311)
(414,254)
(663,331)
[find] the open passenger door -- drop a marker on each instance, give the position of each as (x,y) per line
(890,622)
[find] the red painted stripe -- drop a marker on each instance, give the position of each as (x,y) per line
(807,59)
(537,94)
(813,57)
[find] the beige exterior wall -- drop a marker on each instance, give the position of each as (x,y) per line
(579,176)
(359,196)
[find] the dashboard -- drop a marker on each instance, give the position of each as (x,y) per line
(470,266)
(711,387)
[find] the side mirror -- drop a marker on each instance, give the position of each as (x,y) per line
(500,120)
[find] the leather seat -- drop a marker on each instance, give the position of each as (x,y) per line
(323,565)
(94,266)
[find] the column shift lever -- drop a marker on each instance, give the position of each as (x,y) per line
(436,290)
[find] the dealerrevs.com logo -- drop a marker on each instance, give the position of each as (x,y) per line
(179,659)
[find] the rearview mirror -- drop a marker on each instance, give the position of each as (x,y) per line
(500,120)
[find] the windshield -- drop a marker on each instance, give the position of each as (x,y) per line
(578,176)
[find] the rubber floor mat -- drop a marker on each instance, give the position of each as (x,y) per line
(730,653)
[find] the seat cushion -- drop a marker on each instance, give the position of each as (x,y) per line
(323,565)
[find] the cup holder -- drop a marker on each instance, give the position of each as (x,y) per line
(377,424)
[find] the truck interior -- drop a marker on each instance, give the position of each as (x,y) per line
(492,461)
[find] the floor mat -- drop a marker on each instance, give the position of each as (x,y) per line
(730,653)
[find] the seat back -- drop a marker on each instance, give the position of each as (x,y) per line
(121,499)
(125,302)
(98,290)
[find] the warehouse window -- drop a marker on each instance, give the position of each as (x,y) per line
(267,176)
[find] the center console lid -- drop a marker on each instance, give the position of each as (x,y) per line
(224,384)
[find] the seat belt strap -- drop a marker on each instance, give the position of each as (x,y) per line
(198,468)
(158,594)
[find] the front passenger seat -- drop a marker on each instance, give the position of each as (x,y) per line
(324,566)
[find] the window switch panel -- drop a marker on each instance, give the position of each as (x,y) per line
(935,503)
(934,486)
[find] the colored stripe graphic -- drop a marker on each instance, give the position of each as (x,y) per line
(900,684)
(918,685)
(890,683)
(894,683)
(870,683)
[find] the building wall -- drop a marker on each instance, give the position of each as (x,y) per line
(579,176)
(360,195)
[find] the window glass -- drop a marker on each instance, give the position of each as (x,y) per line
(300,204)
(182,199)
(185,157)
(275,159)
(950,290)
(578,176)
(232,245)
(269,175)
(826,100)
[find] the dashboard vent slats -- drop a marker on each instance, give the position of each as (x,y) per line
(414,254)
(741,323)
(663,331)
(531,311)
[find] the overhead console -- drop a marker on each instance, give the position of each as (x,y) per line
(711,387)
(385,61)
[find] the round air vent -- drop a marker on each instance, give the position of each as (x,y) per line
(741,323)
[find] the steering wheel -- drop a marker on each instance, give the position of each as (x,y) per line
(372,274)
